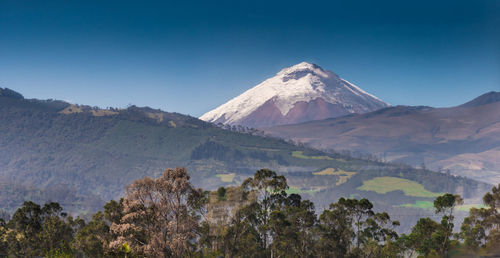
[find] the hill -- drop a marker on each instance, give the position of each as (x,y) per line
(464,139)
(81,156)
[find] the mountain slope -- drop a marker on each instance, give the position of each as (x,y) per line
(463,139)
(300,93)
(82,156)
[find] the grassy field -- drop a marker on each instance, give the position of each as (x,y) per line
(420,204)
(467,207)
(226,178)
(300,155)
(343,175)
(430,205)
(260,149)
(296,190)
(384,185)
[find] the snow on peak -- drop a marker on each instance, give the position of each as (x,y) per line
(304,66)
(301,82)
(303,69)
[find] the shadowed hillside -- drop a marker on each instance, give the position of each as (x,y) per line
(464,140)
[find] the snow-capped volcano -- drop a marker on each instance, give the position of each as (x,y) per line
(300,93)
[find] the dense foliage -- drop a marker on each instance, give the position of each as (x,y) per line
(81,156)
(168,217)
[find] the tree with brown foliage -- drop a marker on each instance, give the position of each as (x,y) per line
(160,216)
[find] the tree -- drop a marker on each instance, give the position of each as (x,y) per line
(302,217)
(221,214)
(336,231)
(57,229)
(249,232)
(93,238)
(379,233)
(429,237)
(160,216)
(27,222)
(473,230)
(270,189)
(272,223)
(242,238)
(422,238)
(4,245)
(40,231)
(358,209)
(291,228)
(445,205)
(352,219)
(481,229)
(221,193)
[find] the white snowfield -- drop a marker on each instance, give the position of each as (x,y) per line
(301,82)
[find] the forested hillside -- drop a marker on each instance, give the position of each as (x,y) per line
(81,156)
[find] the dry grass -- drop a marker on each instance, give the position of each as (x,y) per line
(343,175)
(73,109)
(226,178)
(156,116)
(103,112)
(300,155)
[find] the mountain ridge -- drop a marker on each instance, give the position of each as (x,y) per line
(487,98)
(463,139)
(6,92)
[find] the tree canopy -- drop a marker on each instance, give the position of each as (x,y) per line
(168,217)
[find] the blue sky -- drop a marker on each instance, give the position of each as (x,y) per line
(190,57)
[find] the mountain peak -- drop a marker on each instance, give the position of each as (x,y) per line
(299,93)
(487,98)
(302,69)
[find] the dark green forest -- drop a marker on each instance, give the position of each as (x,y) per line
(169,217)
(81,156)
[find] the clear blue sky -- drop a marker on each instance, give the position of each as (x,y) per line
(189,56)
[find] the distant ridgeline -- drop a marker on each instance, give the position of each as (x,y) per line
(464,140)
(10,93)
(81,156)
